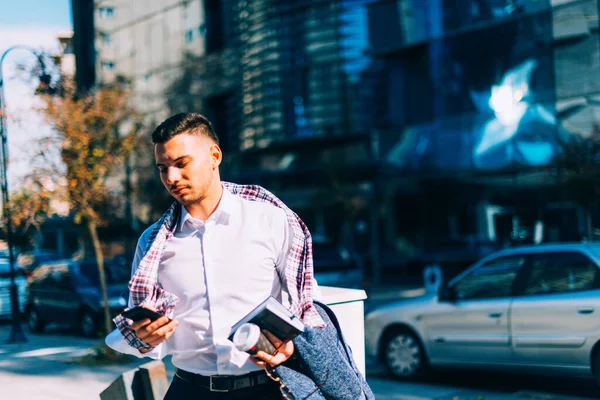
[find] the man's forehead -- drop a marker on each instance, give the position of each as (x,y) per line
(180,146)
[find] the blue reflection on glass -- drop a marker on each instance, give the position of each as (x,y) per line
(507,101)
(509,128)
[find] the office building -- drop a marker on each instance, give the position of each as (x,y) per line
(478,99)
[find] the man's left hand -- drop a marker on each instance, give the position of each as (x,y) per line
(281,355)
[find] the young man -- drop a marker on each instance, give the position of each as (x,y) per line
(219,251)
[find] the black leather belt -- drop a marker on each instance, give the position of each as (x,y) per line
(224,383)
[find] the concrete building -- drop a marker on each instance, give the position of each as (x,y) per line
(66,56)
(146,43)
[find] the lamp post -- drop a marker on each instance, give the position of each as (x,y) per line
(17,335)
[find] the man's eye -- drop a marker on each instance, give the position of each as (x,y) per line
(162,169)
(181,165)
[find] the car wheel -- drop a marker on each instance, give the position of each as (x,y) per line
(403,355)
(87,324)
(34,321)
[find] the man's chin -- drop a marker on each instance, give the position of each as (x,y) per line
(186,200)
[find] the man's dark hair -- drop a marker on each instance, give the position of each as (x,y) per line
(190,123)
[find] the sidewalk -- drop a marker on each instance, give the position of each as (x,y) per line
(43,369)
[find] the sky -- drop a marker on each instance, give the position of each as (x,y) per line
(36,13)
(35,23)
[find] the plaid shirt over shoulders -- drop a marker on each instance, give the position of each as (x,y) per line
(145,289)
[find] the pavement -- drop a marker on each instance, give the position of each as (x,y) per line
(44,368)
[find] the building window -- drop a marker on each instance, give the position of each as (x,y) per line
(222,111)
(189,36)
(202,30)
(107,65)
(105,37)
(107,12)
(213,11)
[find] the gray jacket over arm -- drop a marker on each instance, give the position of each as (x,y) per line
(323,366)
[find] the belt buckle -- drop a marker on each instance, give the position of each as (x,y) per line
(212,388)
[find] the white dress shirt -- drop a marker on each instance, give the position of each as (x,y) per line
(220,270)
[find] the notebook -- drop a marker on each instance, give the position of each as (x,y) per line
(274,317)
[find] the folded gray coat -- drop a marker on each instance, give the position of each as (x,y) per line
(324,367)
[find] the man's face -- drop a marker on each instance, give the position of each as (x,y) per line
(187,165)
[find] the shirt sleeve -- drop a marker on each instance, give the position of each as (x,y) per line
(115,339)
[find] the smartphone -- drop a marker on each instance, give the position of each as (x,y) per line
(139,313)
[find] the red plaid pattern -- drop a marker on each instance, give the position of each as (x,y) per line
(145,289)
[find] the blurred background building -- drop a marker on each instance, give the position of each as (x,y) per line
(412,131)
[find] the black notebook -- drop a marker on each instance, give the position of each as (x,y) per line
(274,317)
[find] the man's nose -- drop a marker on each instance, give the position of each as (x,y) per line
(173,176)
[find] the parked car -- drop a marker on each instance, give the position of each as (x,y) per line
(337,266)
(30,260)
(5,282)
(67,292)
(523,309)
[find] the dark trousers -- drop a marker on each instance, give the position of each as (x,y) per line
(182,390)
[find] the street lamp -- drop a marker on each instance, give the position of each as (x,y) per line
(16,335)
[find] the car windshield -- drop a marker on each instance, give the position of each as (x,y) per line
(87,273)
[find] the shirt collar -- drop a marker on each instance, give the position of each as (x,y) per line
(226,206)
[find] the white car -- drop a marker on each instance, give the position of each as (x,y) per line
(20,281)
(533,309)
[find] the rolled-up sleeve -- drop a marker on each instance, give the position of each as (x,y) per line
(115,339)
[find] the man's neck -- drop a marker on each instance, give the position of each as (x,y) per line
(207,206)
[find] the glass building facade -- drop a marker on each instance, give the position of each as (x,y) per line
(473,88)
(474,101)
(299,64)
(426,127)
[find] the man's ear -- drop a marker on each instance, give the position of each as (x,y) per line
(216,155)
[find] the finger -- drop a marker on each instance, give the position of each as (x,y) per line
(166,328)
(272,360)
(260,363)
(140,324)
(151,327)
(263,355)
(162,321)
(145,331)
(161,334)
(272,338)
(286,348)
(155,341)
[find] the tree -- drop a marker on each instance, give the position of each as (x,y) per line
(95,132)
(29,207)
(577,170)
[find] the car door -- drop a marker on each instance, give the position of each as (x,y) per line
(66,302)
(54,294)
(556,319)
(472,325)
(41,292)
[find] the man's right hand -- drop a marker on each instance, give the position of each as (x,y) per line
(154,333)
